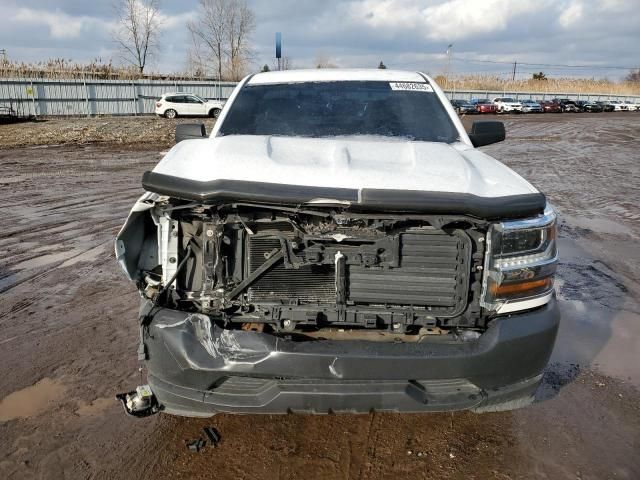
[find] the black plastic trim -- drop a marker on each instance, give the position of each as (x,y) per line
(511,206)
(241,190)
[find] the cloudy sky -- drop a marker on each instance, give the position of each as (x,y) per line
(487,35)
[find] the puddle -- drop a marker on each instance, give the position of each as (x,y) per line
(600,324)
(32,400)
(592,335)
(595,224)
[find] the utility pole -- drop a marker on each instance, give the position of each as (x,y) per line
(513,77)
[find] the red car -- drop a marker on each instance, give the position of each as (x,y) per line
(549,106)
(484,105)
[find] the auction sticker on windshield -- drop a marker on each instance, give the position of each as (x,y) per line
(411,86)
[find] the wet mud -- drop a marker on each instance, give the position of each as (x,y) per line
(68,336)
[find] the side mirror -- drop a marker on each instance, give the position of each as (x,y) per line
(486,133)
(186,131)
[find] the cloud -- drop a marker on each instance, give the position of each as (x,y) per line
(571,15)
(169,21)
(446,21)
(60,24)
(457,19)
(403,33)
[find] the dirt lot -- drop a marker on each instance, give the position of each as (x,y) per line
(68,333)
(133,132)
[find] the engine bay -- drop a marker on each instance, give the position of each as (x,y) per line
(317,270)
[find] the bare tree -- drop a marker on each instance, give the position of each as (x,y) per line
(221,34)
(209,33)
(242,23)
(286,63)
(138,30)
(633,76)
(324,61)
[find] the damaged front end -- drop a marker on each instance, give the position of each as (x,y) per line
(264,307)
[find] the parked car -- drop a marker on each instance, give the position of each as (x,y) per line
(567,105)
(531,106)
(619,106)
(507,104)
(339,244)
(483,105)
(588,106)
(463,107)
(606,106)
(632,106)
(172,105)
(549,106)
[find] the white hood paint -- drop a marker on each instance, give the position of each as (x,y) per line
(348,162)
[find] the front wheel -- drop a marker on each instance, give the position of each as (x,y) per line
(170,113)
(214,112)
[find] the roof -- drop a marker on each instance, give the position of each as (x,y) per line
(178,93)
(335,75)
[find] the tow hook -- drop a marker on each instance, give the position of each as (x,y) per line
(139,403)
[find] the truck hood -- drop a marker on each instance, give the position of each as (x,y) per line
(357,163)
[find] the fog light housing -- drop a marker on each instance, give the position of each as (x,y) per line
(520,263)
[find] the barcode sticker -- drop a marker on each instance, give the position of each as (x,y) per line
(411,86)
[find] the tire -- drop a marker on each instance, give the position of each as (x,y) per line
(214,112)
(170,113)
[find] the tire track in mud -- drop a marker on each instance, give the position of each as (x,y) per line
(70,218)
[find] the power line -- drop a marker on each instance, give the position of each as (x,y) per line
(531,64)
(610,67)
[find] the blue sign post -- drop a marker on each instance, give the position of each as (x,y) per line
(279,48)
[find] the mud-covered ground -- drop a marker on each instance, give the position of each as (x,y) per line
(68,334)
(132,132)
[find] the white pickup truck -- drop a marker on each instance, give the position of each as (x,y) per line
(338,243)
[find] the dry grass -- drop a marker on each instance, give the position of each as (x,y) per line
(60,68)
(551,85)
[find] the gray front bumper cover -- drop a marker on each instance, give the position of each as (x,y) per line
(197,368)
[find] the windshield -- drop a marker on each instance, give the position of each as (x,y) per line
(328,109)
(508,99)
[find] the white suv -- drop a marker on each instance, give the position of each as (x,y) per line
(506,104)
(171,105)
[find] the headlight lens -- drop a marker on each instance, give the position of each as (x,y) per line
(520,264)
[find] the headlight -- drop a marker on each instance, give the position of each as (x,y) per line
(520,263)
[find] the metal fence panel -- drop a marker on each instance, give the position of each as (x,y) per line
(41,97)
(491,94)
